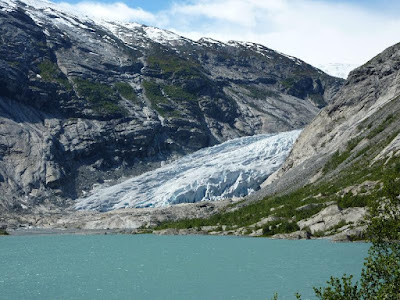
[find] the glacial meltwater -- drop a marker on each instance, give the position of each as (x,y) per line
(169,267)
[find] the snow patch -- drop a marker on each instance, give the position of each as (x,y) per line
(232,169)
(209,41)
(337,69)
(161,36)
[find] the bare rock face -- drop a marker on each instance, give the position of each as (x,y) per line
(85,101)
(362,115)
(331,216)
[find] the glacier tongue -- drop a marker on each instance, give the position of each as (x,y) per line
(235,168)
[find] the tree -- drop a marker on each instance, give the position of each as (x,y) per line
(380,278)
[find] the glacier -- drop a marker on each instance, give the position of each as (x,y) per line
(232,169)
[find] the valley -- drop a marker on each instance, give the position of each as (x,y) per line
(122,126)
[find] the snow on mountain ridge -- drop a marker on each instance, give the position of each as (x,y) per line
(46,12)
(235,168)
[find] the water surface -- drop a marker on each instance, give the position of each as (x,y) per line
(169,267)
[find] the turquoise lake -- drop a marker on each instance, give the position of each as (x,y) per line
(169,267)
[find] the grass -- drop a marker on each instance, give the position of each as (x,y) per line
(161,95)
(171,64)
(288,83)
(353,166)
(318,100)
(350,200)
(156,97)
(338,158)
(259,93)
(126,91)
(102,97)
(381,127)
(178,94)
(50,72)
(356,173)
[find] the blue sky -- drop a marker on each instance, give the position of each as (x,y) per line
(317,31)
(154,6)
(150,5)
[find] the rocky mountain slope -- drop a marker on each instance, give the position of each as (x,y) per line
(84,101)
(347,157)
(362,123)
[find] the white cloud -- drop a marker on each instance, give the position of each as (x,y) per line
(316,31)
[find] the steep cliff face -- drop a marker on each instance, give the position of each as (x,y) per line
(84,101)
(360,127)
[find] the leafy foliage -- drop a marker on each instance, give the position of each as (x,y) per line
(380,278)
(339,289)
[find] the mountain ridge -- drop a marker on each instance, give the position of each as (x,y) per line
(96,101)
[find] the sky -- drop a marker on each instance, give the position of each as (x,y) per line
(316,31)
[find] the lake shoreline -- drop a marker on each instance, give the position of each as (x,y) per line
(78,231)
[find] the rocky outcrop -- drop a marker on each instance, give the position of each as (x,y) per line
(331,216)
(83,101)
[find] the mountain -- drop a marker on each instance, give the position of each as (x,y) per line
(361,125)
(87,101)
(347,157)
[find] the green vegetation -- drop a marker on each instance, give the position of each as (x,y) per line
(350,200)
(380,278)
(259,93)
(318,100)
(3,232)
(176,93)
(156,97)
(276,227)
(338,158)
(102,98)
(381,126)
(50,72)
(288,83)
(285,206)
(161,94)
(126,91)
(171,64)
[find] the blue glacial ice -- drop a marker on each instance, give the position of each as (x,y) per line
(232,169)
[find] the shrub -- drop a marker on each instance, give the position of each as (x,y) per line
(50,72)
(101,96)
(350,200)
(281,226)
(126,91)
